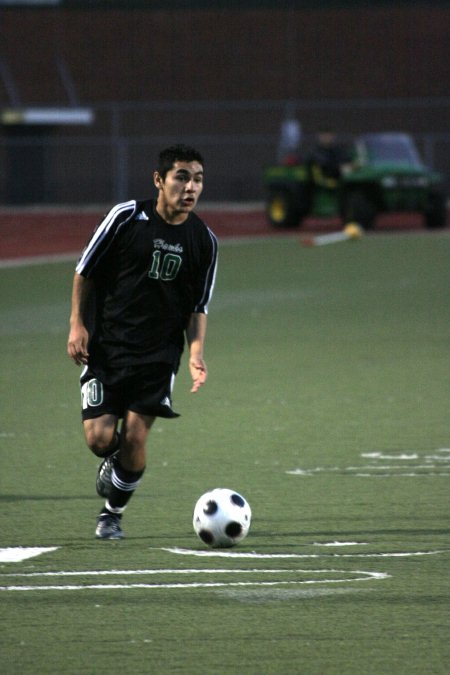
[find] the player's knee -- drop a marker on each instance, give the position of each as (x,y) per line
(101,435)
(98,443)
(98,447)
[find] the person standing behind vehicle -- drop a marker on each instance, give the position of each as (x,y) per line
(141,287)
(290,140)
(328,160)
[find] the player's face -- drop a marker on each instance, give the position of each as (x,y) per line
(179,190)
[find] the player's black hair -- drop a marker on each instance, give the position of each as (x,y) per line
(177,153)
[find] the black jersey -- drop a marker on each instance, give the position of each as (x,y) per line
(149,277)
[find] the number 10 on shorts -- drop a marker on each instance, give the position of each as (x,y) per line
(91,394)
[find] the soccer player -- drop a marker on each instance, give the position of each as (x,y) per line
(141,288)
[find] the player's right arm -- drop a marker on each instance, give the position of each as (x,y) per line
(77,343)
(94,252)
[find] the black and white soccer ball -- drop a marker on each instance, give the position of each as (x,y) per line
(222,518)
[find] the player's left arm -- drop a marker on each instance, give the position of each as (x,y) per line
(196,329)
(195,335)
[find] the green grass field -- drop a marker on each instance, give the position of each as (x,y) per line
(326,406)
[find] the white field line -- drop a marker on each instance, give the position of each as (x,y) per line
(19,553)
(344,576)
(349,576)
(149,572)
(410,474)
(280,556)
(7,263)
(51,258)
(340,543)
(435,464)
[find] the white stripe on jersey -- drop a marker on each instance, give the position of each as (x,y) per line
(102,231)
(210,276)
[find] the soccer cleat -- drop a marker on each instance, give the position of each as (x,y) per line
(108,527)
(103,480)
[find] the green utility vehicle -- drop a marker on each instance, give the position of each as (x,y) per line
(383,173)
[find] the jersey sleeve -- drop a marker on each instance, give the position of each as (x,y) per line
(207,275)
(103,237)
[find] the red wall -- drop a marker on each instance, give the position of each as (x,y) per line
(248,54)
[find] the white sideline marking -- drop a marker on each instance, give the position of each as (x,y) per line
(99,573)
(235,554)
(430,465)
(9,263)
(19,553)
(340,543)
(72,256)
(326,576)
(380,455)
(355,575)
(266,556)
(375,471)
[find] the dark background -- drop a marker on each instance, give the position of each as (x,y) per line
(220,75)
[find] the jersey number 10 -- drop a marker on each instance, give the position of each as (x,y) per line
(164,266)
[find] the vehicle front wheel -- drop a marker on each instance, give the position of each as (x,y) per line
(360,209)
(282,212)
(436,211)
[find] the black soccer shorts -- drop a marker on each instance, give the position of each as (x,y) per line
(146,390)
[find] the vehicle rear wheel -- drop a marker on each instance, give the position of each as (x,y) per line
(436,211)
(360,209)
(282,212)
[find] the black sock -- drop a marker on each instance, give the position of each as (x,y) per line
(124,483)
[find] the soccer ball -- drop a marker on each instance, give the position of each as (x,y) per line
(222,518)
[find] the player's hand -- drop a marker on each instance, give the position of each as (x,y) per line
(199,373)
(77,346)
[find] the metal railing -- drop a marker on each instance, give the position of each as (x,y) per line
(114,159)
